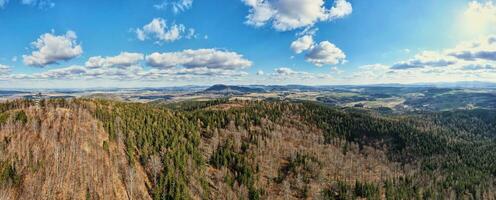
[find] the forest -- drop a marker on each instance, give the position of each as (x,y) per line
(236,149)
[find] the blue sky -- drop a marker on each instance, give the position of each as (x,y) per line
(185,42)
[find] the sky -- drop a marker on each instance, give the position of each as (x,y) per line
(158,43)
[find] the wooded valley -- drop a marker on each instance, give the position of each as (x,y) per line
(234,149)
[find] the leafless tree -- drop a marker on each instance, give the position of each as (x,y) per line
(155,166)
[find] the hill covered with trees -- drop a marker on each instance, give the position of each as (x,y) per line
(232,149)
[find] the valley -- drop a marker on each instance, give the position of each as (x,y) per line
(228,148)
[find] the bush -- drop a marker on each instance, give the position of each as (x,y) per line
(8,174)
(21,117)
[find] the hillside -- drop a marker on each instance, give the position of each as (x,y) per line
(100,149)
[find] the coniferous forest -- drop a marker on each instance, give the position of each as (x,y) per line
(234,149)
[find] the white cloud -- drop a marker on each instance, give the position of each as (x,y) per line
(204,64)
(325,53)
(201,72)
(302,44)
(53,48)
(310,30)
(284,73)
(42,4)
(484,49)
(123,60)
(426,59)
(39,3)
(466,53)
(341,9)
(62,73)
(131,73)
(484,67)
(479,17)
(260,72)
(468,61)
(176,6)
(158,30)
(288,15)
(4,69)
(209,58)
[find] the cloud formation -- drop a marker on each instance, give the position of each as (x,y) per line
(51,49)
(466,53)
(484,49)
(42,4)
(480,14)
(209,58)
(302,44)
(158,30)
(176,6)
(4,69)
(123,60)
(288,15)
(468,61)
(181,65)
(325,53)
(39,3)
(426,59)
(285,73)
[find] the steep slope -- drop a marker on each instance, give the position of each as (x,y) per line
(64,153)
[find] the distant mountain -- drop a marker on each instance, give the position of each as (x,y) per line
(230,89)
(458,84)
(467,84)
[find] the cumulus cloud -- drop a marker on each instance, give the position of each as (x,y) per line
(209,58)
(123,60)
(198,64)
(51,49)
(130,73)
(302,44)
(341,9)
(176,6)
(325,53)
(288,15)
(158,30)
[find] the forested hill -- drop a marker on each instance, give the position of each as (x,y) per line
(229,149)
